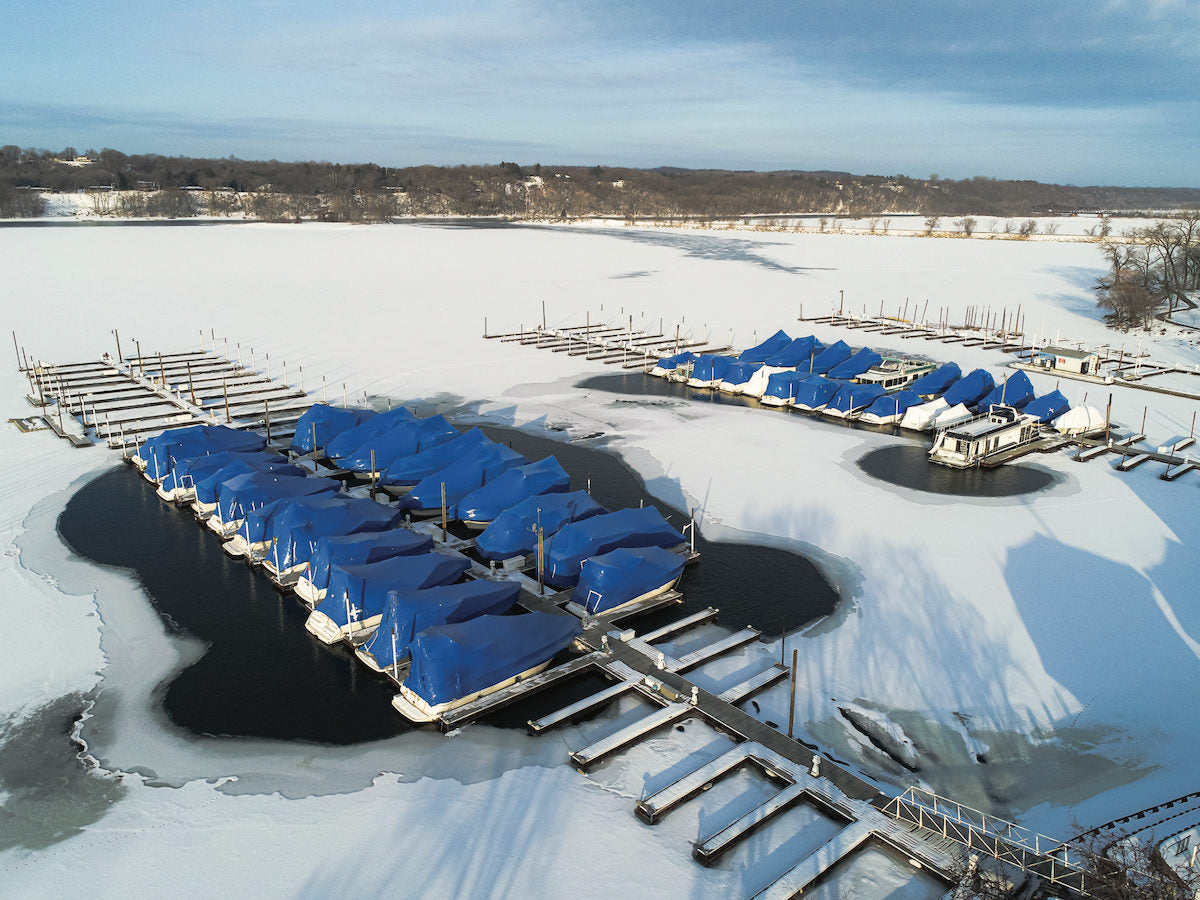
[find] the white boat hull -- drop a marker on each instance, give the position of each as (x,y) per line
(308,593)
(415,709)
(328,631)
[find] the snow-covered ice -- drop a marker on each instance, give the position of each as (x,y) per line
(1039,653)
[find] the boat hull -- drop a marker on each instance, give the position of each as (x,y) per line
(415,709)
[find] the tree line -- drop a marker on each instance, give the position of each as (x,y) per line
(1152,271)
(294,191)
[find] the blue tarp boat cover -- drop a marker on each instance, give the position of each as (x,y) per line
(612,579)
(782,385)
(514,531)
(297,529)
(574,543)
(404,439)
(352,438)
(328,422)
(163,451)
(207,482)
(969,389)
(679,359)
(360,549)
(461,477)
(740,372)
(893,404)
(855,365)
(454,661)
(796,354)
(362,591)
(710,369)
(409,470)
(850,397)
(1015,391)
(813,391)
(769,347)
(545,476)
(239,494)
(829,357)
(186,473)
(1048,407)
(938,381)
(257,525)
(409,612)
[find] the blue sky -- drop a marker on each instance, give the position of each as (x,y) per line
(1071,91)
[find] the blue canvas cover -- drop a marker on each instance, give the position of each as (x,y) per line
(297,529)
(409,612)
(830,357)
(163,451)
(1048,407)
(679,359)
(461,477)
(256,527)
(612,579)
(454,661)
(574,543)
(739,372)
(362,591)
(207,481)
(514,531)
(969,389)
(352,438)
(329,422)
(769,347)
(796,354)
(893,404)
(363,548)
(813,391)
(850,397)
(409,470)
(938,381)
(782,385)
(855,365)
(186,473)
(404,439)
(545,476)
(238,495)
(710,369)
(1015,391)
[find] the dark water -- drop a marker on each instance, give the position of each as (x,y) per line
(909,466)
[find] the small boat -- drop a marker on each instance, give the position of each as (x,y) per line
(969,389)
(951,415)
(296,530)
(1016,391)
(1079,421)
(514,533)
(894,372)
(409,612)
(399,441)
(831,356)
(674,368)
(253,537)
(937,382)
(352,438)
(460,478)
(708,370)
(355,550)
(453,665)
(321,423)
(890,408)
(852,399)
(737,376)
(576,542)
(780,389)
(180,484)
(479,508)
(622,577)
(238,495)
(158,455)
(796,355)
(357,595)
(812,392)
(409,470)
(858,364)
(768,348)
(919,417)
(1048,407)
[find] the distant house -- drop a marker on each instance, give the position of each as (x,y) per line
(1065,359)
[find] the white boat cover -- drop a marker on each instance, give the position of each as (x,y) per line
(1080,420)
(917,418)
(950,416)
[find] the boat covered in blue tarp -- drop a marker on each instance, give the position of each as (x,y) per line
(614,579)
(401,440)
(769,347)
(781,387)
(453,663)
(737,375)
(206,483)
(461,477)
(574,543)
(237,495)
(409,612)
(352,438)
(796,354)
(409,470)
(936,382)
(835,353)
(256,526)
(320,424)
(296,530)
(851,398)
(361,549)
(811,392)
(361,592)
(669,364)
(161,452)
(184,475)
(709,370)
(1048,406)
(969,389)
(888,409)
(515,531)
(546,476)
(1014,391)
(855,365)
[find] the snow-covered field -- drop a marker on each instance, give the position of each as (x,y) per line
(1038,656)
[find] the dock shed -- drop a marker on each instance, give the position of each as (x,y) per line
(1066,359)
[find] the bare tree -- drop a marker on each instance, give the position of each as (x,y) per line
(966,224)
(1028,227)
(931,223)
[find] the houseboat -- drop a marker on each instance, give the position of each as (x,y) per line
(974,441)
(893,373)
